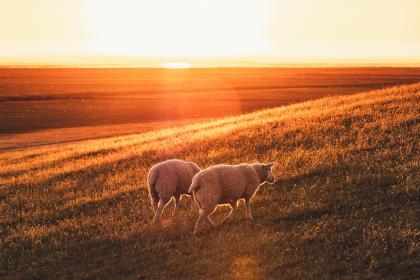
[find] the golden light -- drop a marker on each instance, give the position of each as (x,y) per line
(182,28)
(176,65)
(208,32)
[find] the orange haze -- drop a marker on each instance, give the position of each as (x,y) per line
(209,32)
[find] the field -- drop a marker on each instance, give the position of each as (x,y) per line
(345,205)
(44,106)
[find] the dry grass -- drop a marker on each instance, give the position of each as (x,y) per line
(47,137)
(345,205)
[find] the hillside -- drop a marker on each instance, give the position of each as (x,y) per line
(71,99)
(344,206)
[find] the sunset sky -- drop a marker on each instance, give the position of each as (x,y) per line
(209,32)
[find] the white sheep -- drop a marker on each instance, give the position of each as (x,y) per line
(168,179)
(226,184)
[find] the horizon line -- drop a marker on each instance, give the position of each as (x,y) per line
(192,66)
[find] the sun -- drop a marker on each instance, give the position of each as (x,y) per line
(176,65)
(182,28)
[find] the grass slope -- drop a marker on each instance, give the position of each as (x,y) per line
(345,205)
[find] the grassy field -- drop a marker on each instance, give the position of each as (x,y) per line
(345,205)
(54,136)
(135,100)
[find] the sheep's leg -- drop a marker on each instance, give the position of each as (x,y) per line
(233,206)
(198,224)
(194,206)
(202,218)
(161,206)
(248,214)
(154,204)
(210,221)
(176,207)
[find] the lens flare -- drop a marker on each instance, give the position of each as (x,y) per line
(176,65)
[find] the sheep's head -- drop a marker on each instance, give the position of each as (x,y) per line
(265,171)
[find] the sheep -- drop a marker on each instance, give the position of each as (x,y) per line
(226,184)
(168,179)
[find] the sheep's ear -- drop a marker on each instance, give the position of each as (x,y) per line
(269,165)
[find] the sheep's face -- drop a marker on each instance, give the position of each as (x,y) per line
(268,172)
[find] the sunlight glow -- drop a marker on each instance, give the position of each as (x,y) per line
(186,28)
(209,33)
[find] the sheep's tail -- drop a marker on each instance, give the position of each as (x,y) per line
(151,181)
(193,189)
(196,200)
(195,185)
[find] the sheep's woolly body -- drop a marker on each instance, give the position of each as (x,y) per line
(171,178)
(223,184)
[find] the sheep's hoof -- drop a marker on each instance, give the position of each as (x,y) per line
(154,226)
(211,223)
(155,223)
(228,219)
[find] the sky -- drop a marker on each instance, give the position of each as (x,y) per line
(209,32)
